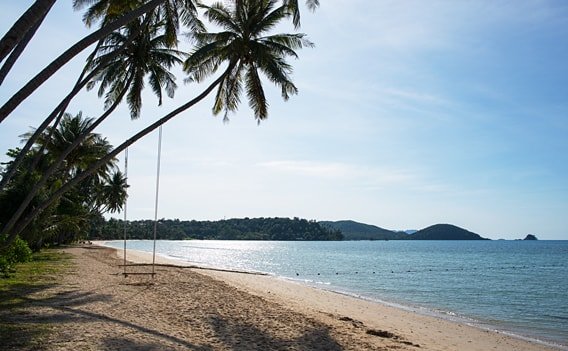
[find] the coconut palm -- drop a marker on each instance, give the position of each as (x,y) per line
(112,194)
(147,55)
(73,51)
(244,47)
(171,12)
(121,67)
(56,141)
(128,49)
(100,191)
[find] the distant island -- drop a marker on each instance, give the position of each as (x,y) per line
(285,229)
(352,230)
(530,237)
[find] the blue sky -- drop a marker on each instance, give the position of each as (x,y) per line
(410,113)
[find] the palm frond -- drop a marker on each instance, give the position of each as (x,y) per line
(255,93)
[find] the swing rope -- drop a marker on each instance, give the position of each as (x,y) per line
(155,208)
(157,194)
(125,204)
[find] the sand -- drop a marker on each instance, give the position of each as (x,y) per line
(182,308)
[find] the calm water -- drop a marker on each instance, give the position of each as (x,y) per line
(518,287)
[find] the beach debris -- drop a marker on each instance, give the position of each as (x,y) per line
(388,335)
(354,322)
(382,333)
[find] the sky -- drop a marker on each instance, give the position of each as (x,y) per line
(409,113)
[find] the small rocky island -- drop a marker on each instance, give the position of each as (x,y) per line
(530,237)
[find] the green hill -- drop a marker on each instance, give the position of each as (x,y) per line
(445,232)
(352,230)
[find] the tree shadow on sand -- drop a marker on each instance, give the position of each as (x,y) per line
(246,336)
(31,317)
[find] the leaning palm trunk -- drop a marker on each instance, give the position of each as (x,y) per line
(16,226)
(32,17)
(57,163)
(59,111)
(17,51)
(73,51)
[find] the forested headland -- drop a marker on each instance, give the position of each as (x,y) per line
(229,229)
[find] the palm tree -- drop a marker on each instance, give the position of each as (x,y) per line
(172,12)
(148,55)
(245,48)
(108,11)
(111,196)
(59,140)
(92,195)
(120,73)
(89,73)
(73,51)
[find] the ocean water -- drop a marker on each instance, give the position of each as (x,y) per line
(517,287)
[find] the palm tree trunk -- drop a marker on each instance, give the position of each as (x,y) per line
(7,66)
(58,111)
(16,226)
(33,16)
(73,51)
(55,165)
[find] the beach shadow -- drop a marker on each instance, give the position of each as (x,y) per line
(246,336)
(69,306)
(125,344)
(18,329)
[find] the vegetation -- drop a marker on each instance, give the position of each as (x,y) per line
(18,252)
(230,229)
(17,330)
(47,196)
(67,219)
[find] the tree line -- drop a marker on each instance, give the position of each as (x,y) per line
(230,229)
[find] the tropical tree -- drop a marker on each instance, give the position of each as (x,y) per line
(148,56)
(113,47)
(73,51)
(103,190)
(246,50)
(120,66)
(111,14)
(245,45)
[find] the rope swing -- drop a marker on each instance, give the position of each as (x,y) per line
(157,194)
(153,273)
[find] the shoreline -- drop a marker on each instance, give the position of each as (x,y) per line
(407,321)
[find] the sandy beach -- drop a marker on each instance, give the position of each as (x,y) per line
(183,308)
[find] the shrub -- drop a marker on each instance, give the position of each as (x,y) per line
(17,252)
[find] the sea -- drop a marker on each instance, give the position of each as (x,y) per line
(514,287)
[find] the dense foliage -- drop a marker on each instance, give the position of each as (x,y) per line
(230,229)
(68,218)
